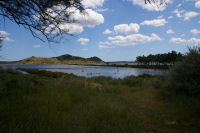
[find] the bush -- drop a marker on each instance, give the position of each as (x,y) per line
(184,77)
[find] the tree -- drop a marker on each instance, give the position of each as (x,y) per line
(184,77)
(38,15)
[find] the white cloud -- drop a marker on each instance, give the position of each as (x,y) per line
(178,13)
(177,40)
(182,35)
(88,18)
(170,31)
(3,33)
(37,46)
(155,22)
(194,31)
(185,14)
(107,31)
(68,28)
(192,41)
(92,3)
(197,4)
(199,22)
(8,39)
(83,41)
(127,29)
(159,17)
(179,5)
(153,6)
(170,17)
(129,40)
(4,36)
(106,44)
(190,14)
(101,10)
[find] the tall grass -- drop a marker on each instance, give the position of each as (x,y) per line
(48,102)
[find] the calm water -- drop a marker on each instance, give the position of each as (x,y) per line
(91,71)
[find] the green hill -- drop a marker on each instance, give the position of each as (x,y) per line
(39,60)
(63,59)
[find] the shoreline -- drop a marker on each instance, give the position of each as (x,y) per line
(165,67)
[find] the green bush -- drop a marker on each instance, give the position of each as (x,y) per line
(184,77)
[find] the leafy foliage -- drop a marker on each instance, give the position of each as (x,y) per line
(185,75)
(170,58)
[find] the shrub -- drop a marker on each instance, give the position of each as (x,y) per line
(184,77)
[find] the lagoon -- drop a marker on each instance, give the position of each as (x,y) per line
(93,71)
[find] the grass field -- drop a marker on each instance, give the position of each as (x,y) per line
(49,102)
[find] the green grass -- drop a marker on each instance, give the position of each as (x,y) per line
(48,102)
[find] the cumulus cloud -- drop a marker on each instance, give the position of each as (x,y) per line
(182,35)
(127,29)
(83,41)
(37,46)
(185,14)
(190,14)
(129,40)
(4,36)
(3,33)
(192,41)
(107,31)
(159,17)
(155,22)
(179,5)
(177,40)
(194,31)
(153,6)
(179,13)
(170,17)
(88,18)
(92,3)
(170,31)
(197,4)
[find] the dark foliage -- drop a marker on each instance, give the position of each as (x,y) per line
(68,57)
(185,75)
(94,59)
(168,58)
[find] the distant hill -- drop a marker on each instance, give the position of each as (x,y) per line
(63,59)
(39,60)
(70,57)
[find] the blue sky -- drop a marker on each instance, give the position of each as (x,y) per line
(114,30)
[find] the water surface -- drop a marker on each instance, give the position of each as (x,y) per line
(93,71)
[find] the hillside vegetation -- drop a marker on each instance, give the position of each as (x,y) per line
(39,60)
(64,59)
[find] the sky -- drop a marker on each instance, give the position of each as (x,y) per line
(114,30)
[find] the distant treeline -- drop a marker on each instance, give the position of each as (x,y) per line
(160,59)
